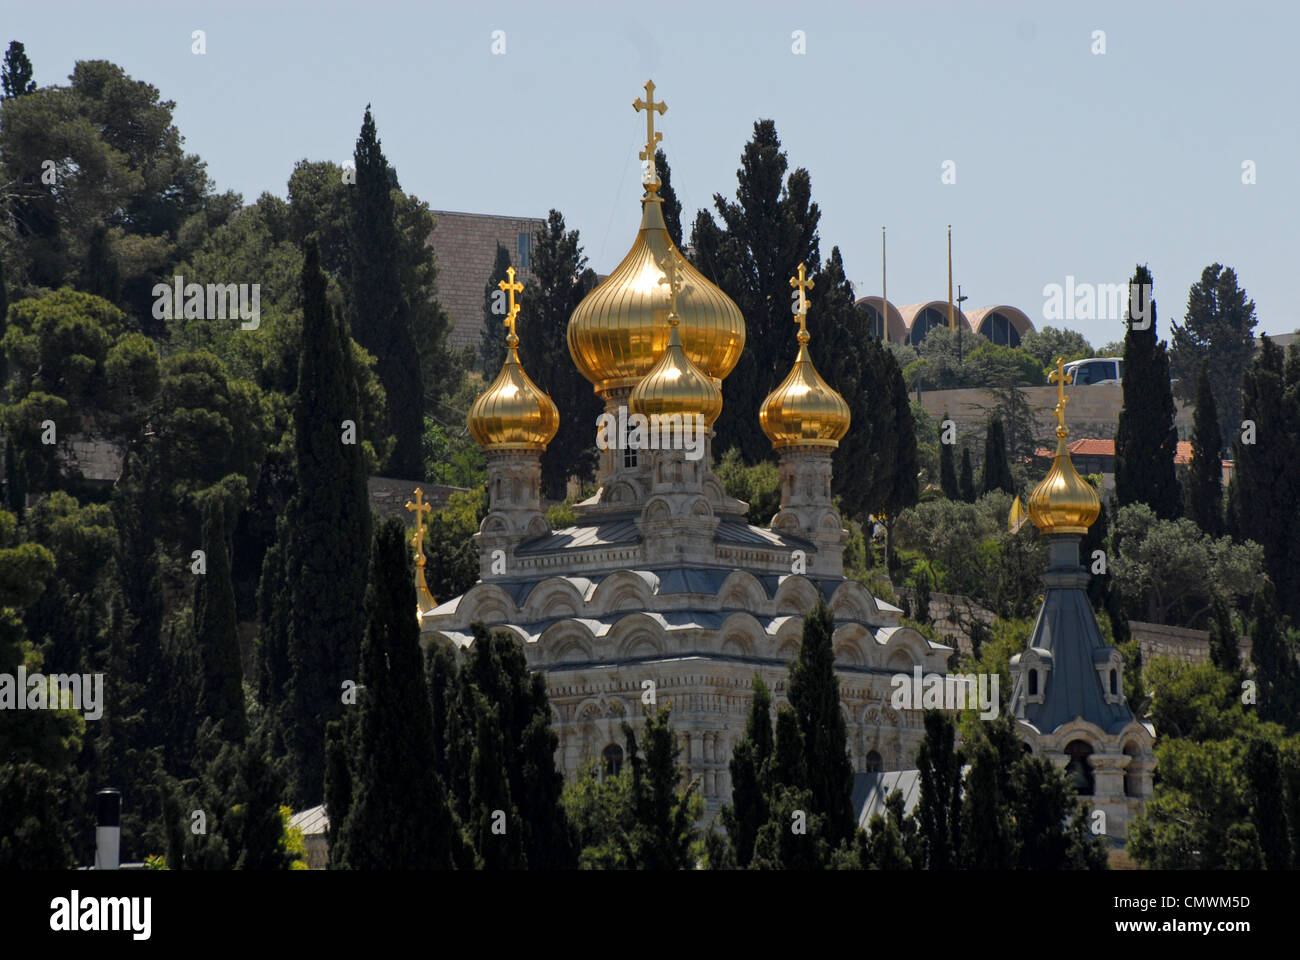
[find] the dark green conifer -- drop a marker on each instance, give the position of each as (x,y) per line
(1205,499)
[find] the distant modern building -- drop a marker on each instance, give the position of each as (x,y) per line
(466,247)
(1001,324)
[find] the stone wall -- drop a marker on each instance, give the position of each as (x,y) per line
(388,496)
(1178,643)
(1093,410)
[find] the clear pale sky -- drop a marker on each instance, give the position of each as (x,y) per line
(1067,162)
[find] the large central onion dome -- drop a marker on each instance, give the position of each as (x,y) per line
(619,330)
(803,411)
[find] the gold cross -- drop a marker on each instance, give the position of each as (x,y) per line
(674,283)
(420,508)
(802,284)
(1060,378)
(512,288)
(651,138)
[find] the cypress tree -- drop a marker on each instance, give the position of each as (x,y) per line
(938,810)
(380,311)
(1146,440)
(814,693)
(16,75)
(997,471)
(750,762)
(947,469)
(100,274)
(398,817)
(492,341)
(988,839)
(967,477)
(1040,802)
(671,207)
(1206,480)
(663,829)
(221,682)
(1276,672)
(1224,651)
(495,826)
(1262,770)
(321,575)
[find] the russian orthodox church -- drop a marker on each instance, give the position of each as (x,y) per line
(662,591)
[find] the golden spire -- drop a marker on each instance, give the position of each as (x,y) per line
(424,601)
(1016,519)
(676,385)
(1064,502)
(619,330)
(804,411)
(651,138)
(513,413)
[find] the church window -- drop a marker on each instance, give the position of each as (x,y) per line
(875,762)
(629,459)
(1033,683)
(612,760)
(1114,682)
(1079,769)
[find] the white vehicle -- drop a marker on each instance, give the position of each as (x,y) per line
(1093,370)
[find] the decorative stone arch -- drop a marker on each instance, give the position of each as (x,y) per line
(566,641)
(852,601)
(850,643)
(886,315)
(1001,324)
(713,490)
(641,643)
(657,510)
(623,590)
(554,597)
(786,637)
(743,591)
(494,525)
(488,603)
(620,491)
(900,660)
(830,525)
(537,527)
(636,635)
(786,521)
(892,639)
(796,595)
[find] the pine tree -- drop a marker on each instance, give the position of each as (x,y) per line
(1146,440)
(562,279)
(381,315)
(967,477)
(1262,770)
(750,762)
(398,817)
(814,692)
(938,811)
(764,236)
(1216,332)
(15,480)
(221,687)
(671,206)
(948,470)
(1276,672)
(1206,480)
(997,471)
(492,340)
(16,77)
(316,617)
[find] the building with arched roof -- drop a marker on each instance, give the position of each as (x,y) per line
(1002,324)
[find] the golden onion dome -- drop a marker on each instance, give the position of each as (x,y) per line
(1063,502)
(513,413)
(618,331)
(676,385)
(804,411)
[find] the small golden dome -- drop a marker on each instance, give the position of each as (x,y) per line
(513,413)
(676,385)
(804,411)
(1063,502)
(618,331)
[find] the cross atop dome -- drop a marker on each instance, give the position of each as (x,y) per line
(511,286)
(803,284)
(651,137)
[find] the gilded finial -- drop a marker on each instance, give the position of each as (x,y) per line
(803,284)
(424,599)
(511,287)
(1058,377)
(651,138)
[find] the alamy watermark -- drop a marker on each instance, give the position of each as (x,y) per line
(212,301)
(1098,301)
(953,691)
(666,431)
(57,691)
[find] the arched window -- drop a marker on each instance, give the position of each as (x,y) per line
(1114,682)
(1033,683)
(1079,769)
(998,328)
(875,321)
(612,760)
(925,321)
(875,762)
